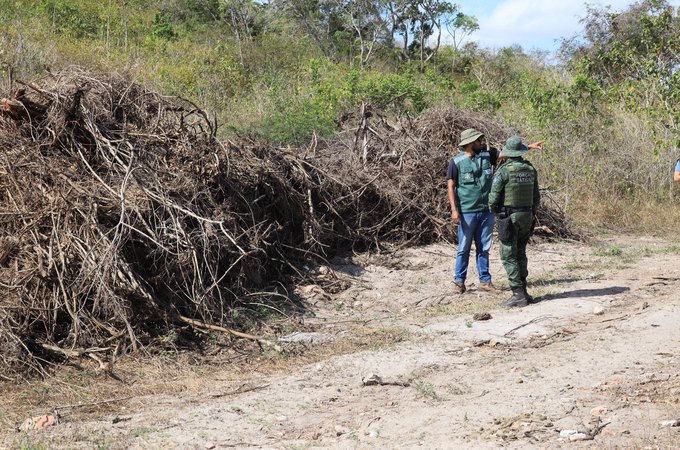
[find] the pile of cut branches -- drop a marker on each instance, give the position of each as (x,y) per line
(104,223)
(409,161)
(406,163)
(122,216)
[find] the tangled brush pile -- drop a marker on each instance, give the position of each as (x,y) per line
(121,214)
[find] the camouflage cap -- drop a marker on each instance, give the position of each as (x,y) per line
(469,135)
(514,147)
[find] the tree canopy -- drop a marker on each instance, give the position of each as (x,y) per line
(289,71)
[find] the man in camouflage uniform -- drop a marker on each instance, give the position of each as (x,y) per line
(515,195)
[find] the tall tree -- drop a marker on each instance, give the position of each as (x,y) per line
(340,27)
(430,14)
(418,22)
(460,26)
(315,18)
(367,25)
(245,19)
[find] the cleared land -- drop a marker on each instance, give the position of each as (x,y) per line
(396,361)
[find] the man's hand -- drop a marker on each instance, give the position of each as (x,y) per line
(455,217)
(536,145)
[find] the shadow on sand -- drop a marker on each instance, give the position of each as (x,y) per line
(579,293)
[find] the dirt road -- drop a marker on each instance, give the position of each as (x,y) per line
(594,364)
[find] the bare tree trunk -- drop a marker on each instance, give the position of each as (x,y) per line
(370,50)
(433,55)
(365,48)
(439,39)
(237,33)
(422,51)
(405,51)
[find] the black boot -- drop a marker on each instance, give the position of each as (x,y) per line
(530,299)
(518,298)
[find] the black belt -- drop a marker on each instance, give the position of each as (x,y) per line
(510,210)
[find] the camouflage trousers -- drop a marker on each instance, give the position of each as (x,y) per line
(514,251)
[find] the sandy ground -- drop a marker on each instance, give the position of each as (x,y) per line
(594,364)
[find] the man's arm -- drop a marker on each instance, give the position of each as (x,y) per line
(493,156)
(537,195)
(496,194)
(451,185)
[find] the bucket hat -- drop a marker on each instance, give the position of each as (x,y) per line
(514,147)
(469,135)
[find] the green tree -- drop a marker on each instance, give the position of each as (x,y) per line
(70,17)
(632,54)
(245,18)
(460,26)
(418,22)
(640,42)
(365,18)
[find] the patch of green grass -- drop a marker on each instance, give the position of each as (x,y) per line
(613,250)
(544,291)
(303,446)
(421,280)
(387,336)
(27,441)
(622,258)
(99,444)
(171,338)
(646,252)
(672,249)
(576,265)
(38,446)
(583,266)
(456,304)
(140,431)
(426,389)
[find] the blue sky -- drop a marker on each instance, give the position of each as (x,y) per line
(533,24)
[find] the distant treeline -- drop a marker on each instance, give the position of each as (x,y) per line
(607,104)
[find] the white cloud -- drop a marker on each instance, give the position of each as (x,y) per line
(536,23)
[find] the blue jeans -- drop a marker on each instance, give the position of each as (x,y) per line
(476,226)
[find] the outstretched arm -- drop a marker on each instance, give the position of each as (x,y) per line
(536,145)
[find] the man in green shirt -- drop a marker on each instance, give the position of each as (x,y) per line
(515,198)
(469,178)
